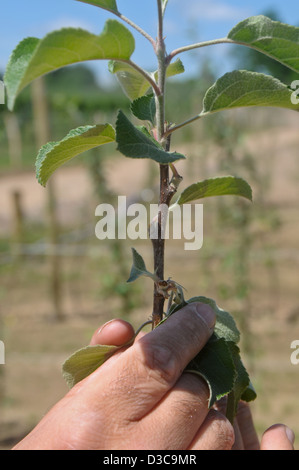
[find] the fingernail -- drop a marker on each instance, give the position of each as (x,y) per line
(104,326)
(290,435)
(207,314)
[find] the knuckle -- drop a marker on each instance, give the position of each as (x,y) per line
(159,361)
(223,429)
(226,436)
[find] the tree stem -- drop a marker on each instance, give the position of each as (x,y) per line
(159,242)
(159,246)
(230,407)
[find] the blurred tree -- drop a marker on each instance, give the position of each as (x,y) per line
(73,79)
(78,86)
(74,95)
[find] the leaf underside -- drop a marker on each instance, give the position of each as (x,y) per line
(85,361)
(133,83)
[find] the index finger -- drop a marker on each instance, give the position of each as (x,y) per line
(145,372)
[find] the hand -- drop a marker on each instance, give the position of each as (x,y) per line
(140,398)
(277,437)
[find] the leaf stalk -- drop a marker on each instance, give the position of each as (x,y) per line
(135,26)
(172,129)
(198,45)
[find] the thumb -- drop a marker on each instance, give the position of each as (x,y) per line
(278,437)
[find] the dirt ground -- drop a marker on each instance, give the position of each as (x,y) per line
(36,345)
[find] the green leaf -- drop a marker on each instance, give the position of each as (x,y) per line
(85,361)
(219,362)
(139,268)
(133,83)
(136,143)
(174,68)
(241,89)
(226,185)
(54,154)
(33,58)
(214,363)
(144,108)
(241,384)
(277,40)
(225,324)
(109,5)
(249,394)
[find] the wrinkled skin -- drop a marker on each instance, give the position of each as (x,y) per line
(141,399)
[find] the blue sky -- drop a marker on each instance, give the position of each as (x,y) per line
(186,21)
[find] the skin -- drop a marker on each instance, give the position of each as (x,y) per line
(140,398)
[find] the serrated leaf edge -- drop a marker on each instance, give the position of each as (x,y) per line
(46,149)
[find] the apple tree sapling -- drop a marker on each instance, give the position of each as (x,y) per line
(219,362)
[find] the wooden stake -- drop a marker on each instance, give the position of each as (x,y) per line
(42,132)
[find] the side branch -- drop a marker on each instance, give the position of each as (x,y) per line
(135,26)
(198,46)
(172,129)
(212,43)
